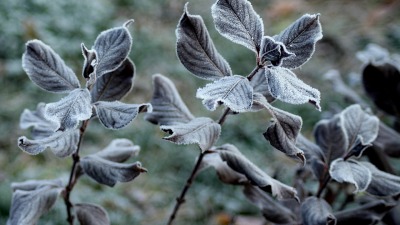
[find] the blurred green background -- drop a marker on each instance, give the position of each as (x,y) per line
(348,26)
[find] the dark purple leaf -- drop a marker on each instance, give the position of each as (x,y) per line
(91,214)
(316,211)
(273,51)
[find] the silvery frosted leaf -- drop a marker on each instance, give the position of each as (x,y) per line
(283,130)
(62,144)
(271,209)
(31,185)
(168,107)
(382,183)
(369,213)
(91,214)
(256,176)
(260,85)
(331,138)
(109,173)
(351,171)
(314,155)
(373,53)
(273,51)
(233,91)
(237,21)
(46,69)
(119,150)
(300,38)
(28,206)
(285,86)
(116,115)
(317,211)
(42,127)
(202,131)
(361,128)
(114,85)
(196,50)
(112,46)
(388,140)
(70,110)
(89,62)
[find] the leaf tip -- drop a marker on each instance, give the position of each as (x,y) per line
(128,23)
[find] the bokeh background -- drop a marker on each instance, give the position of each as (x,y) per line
(348,26)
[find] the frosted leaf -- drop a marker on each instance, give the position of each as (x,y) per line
(70,110)
(196,50)
(119,150)
(300,38)
(62,144)
(351,171)
(237,21)
(317,211)
(260,85)
(46,69)
(114,85)
(271,209)
(28,206)
(285,86)
(109,173)
(42,127)
(256,176)
(116,115)
(368,213)
(112,46)
(168,107)
(202,131)
(91,214)
(382,183)
(31,185)
(273,51)
(89,61)
(233,91)
(361,129)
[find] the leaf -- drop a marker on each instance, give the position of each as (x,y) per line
(314,155)
(233,91)
(31,185)
(116,115)
(196,50)
(91,214)
(285,86)
(368,214)
(168,107)
(283,131)
(317,211)
(70,110)
(114,85)
(382,183)
(300,38)
(352,172)
(89,62)
(202,131)
(119,150)
(271,209)
(381,84)
(28,206)
(112,47)
(237,21)
(256,176)
(260,85)
(361,129)
(388,140)
(109,173)
(42,127)
(273,51)
(62,144)
(331,138)
(46,69)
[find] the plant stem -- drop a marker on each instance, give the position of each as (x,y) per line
(323,185)
(73,175)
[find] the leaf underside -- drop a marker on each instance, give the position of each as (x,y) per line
(91,214)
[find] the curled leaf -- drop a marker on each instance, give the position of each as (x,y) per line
(62,144)
(317,211)
(300,38)
(233,91)
(46,69)
(202,131)
(196,50)
(273,51)
(116,115)
(168,107)
(382,183)
(89,62)
(351,171)
(119,150)
(109,173)
(237,21)
(91,214)
(42,127)
(70,110)
(31,185)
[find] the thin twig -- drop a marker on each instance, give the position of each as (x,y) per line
(72,177)
(323,185)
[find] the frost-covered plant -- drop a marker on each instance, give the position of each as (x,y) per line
(60,125)
(272,79)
